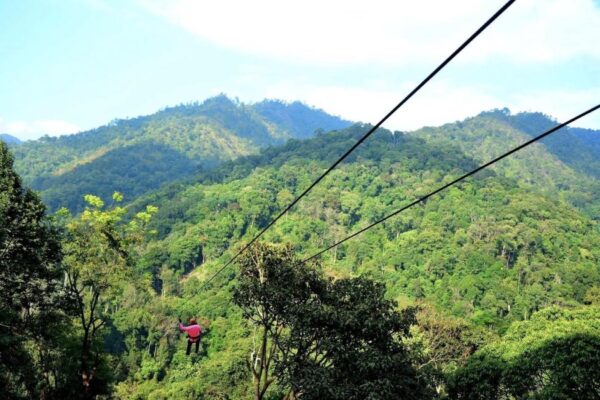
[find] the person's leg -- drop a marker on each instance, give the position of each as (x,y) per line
(189,347)
(197,345)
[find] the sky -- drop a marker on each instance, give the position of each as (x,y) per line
(72,65)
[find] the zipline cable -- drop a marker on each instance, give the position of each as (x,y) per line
(457,180)
(369,133)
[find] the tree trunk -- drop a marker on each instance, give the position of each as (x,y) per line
(86,378)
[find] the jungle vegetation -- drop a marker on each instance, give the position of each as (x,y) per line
(490,290)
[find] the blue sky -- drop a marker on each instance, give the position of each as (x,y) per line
(70,65)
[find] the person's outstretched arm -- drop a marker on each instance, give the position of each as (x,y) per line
(182,328)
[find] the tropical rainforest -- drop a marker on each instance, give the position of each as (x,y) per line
(489,290)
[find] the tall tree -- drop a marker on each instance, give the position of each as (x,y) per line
(439,344)
(350,346)
(322,339)
(31,300)
(272,282)
(98,259)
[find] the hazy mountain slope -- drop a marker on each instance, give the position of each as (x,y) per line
(540,166)
(9,139)
(576,147)
(298,119)
(199,135)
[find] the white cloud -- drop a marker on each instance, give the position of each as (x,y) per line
(442,103)
(383,33)
(439,103)
(26,130)
(547,31)
(562,104)
(393,33)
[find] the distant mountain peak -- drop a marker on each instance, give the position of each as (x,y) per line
(222,98)
(530,122)
(10,139)
(300,119)
(576,147)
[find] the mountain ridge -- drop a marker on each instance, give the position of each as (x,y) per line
(549,165)
(202,134)
(577,147)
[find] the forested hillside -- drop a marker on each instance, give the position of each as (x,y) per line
(577,147)
(490,290)
(486,254)
(492,215)
(139,154)
(565,165)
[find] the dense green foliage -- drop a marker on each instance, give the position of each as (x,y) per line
(563,165)
(503,244)
(144,152)
(98,256)
(31,299)
(488,253)
(577,147)
(497,280)
(552,356)
(321,339)
(124,169)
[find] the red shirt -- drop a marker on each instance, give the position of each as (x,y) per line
(193,331)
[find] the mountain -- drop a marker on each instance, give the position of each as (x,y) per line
(565,164)
(9,139)
(136,155)
(576,147)
(490,252)
(498,277)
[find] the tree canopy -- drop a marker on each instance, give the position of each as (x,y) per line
(489,289)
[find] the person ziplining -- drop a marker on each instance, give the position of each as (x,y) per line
(194,331)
